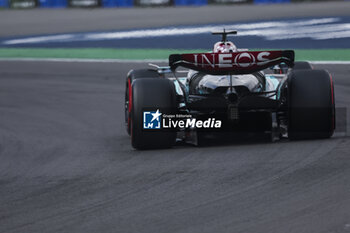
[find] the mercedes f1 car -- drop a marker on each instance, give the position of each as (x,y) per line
(228,90)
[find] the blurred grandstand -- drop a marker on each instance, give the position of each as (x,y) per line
(132,3)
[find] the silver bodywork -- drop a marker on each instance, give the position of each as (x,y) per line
(208,83)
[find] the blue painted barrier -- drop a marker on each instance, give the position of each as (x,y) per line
(117,3)
(53,3)
(4,3)
(190,2)
(131,3)
(271,1)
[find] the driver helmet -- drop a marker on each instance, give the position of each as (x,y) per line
(224,47)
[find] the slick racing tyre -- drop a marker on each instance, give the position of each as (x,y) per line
(311,108)
(133,75)
(154,95)
(302,65)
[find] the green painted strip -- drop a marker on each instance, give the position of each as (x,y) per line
(89,53)
(322,55)
(139,54)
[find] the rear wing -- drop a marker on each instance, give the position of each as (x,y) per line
(245,62)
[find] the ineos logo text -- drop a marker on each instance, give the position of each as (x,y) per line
(245,60)
(228,60)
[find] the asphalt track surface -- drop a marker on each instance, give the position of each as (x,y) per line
(67,165)
(47,21)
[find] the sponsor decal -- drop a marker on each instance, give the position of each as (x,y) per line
(23,3)
(152,2)
(230,1)
(229,60)
(157,120)
(241,62)
(245,60)
(84,3)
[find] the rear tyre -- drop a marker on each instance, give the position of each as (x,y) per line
(302,65)
(152,94)
(311,108)
(133,75)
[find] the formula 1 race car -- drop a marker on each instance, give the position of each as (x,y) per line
(228,90)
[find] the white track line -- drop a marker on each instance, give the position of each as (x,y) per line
(317,29)
(330,62)
(133,61)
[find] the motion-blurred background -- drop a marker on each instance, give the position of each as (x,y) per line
(131,3)
(149,29)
